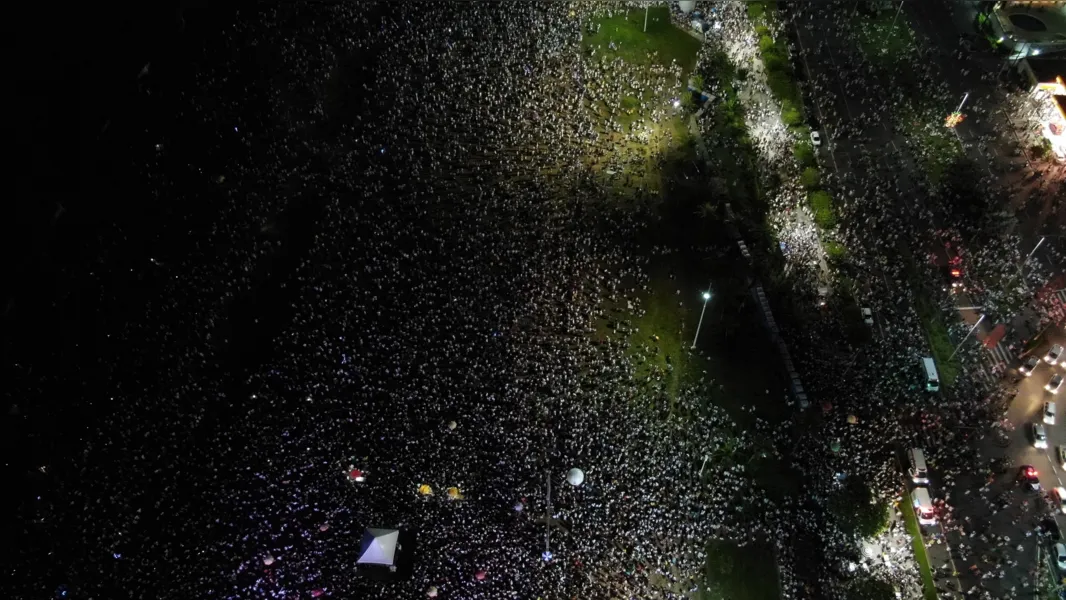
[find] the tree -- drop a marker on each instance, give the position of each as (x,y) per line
(766,44)
(810,178)
(804,153)
(870,589)
(791,115)
(822,206)
(858,511)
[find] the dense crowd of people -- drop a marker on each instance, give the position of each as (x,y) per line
(890,219)
(402,299)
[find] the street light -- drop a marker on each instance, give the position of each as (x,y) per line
(706,297)
(967,337)
(1034,250)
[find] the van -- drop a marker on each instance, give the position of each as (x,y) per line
(932,380)
(1049,413)
(918,471)
(923,506)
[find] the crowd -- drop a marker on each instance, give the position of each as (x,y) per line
(383,259)
(890,220)
(393,259)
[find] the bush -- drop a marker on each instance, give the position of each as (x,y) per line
(697,82)
(871,589)
(779,81)
(804,153)
(858,512)
(822,206)
(761,30)
(756,11)
(810,178)
(790,114)
(1041,149)
(766,44)
(835,250)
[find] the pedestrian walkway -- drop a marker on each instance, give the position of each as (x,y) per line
(999,355)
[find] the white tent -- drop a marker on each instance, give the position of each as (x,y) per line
(378,546)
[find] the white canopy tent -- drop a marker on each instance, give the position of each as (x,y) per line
(378,546)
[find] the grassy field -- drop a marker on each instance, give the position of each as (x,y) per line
(920,555)
(735,573)
(632,166)
(661,44)
(730,362)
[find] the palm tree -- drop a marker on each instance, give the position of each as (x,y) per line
(705,211)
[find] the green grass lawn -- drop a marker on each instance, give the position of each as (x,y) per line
(661,44)
(936,332)
(920,555)
(735,573)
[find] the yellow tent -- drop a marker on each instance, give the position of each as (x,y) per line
(425,490)
(453,493)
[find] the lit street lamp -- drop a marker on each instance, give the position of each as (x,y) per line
(967,337)
(706,297)
(1030,255)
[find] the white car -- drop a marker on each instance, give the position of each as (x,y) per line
(1049,413)
(1059,495)
(1060,556)
(1061,454)
(1054,384)
(1039,436)
(1029,366)
(1053,355)
(868,316)
(816,138)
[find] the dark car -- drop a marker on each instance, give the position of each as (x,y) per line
(1029,478)
(1050,528)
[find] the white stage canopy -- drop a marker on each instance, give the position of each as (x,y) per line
(378,546)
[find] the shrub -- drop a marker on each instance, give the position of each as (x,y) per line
(697,82)
(756,11)
(791,115)
(766,44)
(804,153)
(761,30)
(858,512)
(822,206)
(810,178)
(778,80)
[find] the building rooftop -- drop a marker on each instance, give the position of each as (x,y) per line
(1033,22)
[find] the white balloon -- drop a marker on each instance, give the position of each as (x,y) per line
(575,477)
(268,560)
(686,6)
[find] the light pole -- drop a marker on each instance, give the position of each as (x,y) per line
(884,43)
(964,98)
(967,337)
(548,519)
(706,297)
(646,8)
(1030,255)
